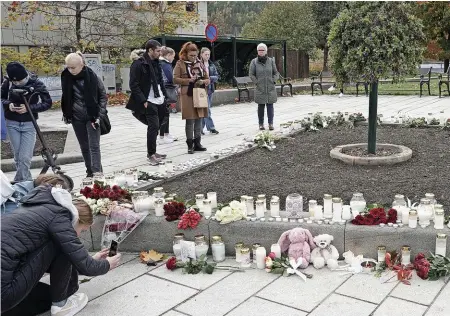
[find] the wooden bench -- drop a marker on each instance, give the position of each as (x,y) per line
(423,78)
(443,80)
(243,84)
(326,77)
(282,82)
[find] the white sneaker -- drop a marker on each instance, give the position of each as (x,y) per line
(74,304)
(341,95)
(165,140)
(170,136)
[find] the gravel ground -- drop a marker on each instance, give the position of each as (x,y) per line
(302,164)
(55,140)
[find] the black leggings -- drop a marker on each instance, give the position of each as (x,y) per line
(24,287)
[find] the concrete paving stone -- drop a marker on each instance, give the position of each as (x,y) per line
(225,295)
(199,281)
(338,305)
(366,287)
(441,305)
(294,292)
(256,306)
(398,307)
(121,275)
(365,239)
(420,291)
(145,295)
(173,313)
(267,233)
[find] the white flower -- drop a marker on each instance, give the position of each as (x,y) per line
(226,211)
(235,205)
(269,262)
(219,216)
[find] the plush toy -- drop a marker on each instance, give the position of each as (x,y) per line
(325,253)
(298,242)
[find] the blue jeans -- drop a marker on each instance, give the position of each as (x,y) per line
(269,113)
(3,124)
(23,138)
(208,121)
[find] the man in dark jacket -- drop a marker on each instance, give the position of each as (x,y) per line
(21,131)
(147,99)
(41,236)
(83,99)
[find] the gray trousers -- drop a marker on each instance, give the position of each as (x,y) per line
(194,128)
(89,140)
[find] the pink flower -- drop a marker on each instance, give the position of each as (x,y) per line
(272,255)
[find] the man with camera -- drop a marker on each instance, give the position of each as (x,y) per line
(21,131)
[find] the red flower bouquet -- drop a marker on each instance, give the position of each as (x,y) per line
(190,219)
(422,266)
(171,264)
(174,210)
(99,191)
(376,216)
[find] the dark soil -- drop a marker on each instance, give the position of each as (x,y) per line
(56,140)
(302,164)
(362,152)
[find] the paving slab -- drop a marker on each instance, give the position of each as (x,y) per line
(441,306)
(227,294)
(256,306)
(294,292)
(338,305)
(145,295)
(399,307)
(420,291)
(366,287)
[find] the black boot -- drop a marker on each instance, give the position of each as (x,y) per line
(197,145)
(190,143)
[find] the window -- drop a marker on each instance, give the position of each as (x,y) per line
(190,6)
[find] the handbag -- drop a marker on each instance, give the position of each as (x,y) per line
(105,124)
(200,97)
(172,95)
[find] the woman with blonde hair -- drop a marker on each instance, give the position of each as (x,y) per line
(189,72)
(42,236)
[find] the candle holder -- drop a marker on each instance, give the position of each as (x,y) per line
(212,196)
(294,205)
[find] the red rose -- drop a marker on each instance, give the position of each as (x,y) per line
(419,256)
(115,188)
(272,255)
(96,186)
(422,272)
(171,264)
(87,189)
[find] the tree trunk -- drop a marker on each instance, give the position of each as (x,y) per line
(325,58)
(78,24)
(446,62)
(373,104)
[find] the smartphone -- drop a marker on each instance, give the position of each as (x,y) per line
(113,249)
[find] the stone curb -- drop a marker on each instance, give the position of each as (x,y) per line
(9,165)
(156,233)
(404,155)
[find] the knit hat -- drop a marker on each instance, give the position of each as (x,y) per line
(262,46)
(16,71)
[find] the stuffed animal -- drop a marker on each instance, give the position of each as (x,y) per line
(298,242)
(325,253)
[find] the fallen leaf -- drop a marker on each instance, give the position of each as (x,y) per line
(151,255)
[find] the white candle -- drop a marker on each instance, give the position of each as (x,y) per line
(276,249)
(441,245)
(405,214)
(261,258)
(262,197)
(439,219)
(162,168)
(312,204)
(412,221)
(177,251)
(218,251)
(206,207)
(159,207)
(327,206)
(212,196)
(201,250)
(250,207)
(406,255)
(260,209)
(318,213)
(274,208)
(337,209)
(346,213)
(169,166)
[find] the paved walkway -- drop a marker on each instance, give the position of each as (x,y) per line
(125,146)
(135,289)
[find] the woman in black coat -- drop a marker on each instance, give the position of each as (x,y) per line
(42,236)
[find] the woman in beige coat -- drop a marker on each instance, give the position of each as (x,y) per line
(189,73)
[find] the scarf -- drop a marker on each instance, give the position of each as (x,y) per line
(89,89)
(154,71)
(262,59)
(191,69)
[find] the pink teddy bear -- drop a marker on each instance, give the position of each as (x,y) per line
(299,243)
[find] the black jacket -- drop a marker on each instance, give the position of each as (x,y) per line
(38,221)
(36,106)
(140,82)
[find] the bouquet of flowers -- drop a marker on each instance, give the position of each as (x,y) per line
(234,212)
(265,140)
(285,266)
(98,206)
(189,219)
(99,190)
(174,210)
(120,222)
(376,216)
